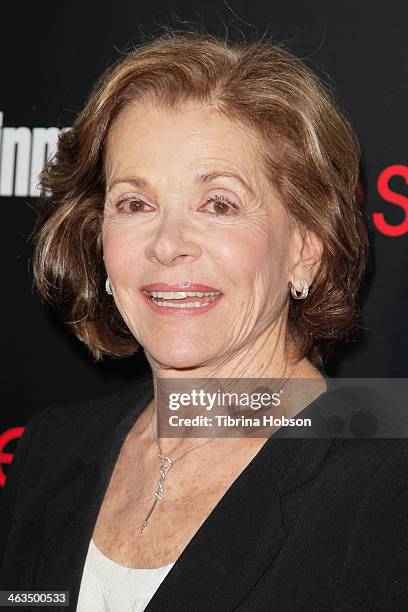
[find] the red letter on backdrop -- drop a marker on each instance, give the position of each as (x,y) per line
(5,438)
(395,198)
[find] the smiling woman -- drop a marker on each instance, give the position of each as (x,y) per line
(203,207)
(194,232)
(245,132)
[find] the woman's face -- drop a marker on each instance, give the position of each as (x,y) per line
(187,204)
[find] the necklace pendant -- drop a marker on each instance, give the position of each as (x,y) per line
(159,494)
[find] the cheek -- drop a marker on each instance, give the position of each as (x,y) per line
(121,252)
(256,256)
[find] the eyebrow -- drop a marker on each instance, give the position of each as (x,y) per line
(200,178)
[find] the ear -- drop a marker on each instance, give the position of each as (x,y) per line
(306,256)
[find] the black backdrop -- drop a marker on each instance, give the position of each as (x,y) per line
(52,53)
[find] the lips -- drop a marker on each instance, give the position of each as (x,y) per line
(182,286)
(180,299)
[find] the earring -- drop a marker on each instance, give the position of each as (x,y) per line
(107,286)
(304,293)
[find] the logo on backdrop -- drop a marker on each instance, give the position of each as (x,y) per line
(384,190)
(5,438)
(23,152)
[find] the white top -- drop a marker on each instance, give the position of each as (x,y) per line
(107,586)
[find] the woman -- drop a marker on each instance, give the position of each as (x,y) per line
(203,207)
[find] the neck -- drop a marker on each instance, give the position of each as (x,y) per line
(268,355)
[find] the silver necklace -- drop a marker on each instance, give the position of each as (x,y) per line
(168,463)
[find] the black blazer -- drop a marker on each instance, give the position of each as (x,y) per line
(310,524)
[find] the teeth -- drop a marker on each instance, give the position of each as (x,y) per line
(179,295)
(186,305)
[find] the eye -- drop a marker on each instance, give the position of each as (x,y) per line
(222,204)
(131,203)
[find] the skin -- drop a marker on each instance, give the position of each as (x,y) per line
(251,257)
(250,254)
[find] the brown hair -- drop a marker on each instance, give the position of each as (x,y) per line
(309,152)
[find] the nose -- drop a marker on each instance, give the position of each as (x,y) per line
(173,242)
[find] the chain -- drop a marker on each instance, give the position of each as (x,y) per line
(168,463)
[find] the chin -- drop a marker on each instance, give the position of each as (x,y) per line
(178,359)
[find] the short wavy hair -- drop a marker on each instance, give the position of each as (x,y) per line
(309,153)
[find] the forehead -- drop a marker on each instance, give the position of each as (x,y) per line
(147,136)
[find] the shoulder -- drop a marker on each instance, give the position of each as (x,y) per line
(367,454)
(370,476)
(374,571)
(59,433)
(367,428)
(85,422)
(96,412)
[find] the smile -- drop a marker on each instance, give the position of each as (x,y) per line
(181,302)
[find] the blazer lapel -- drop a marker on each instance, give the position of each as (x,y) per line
(240,539)
(230,551)
(242,536)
